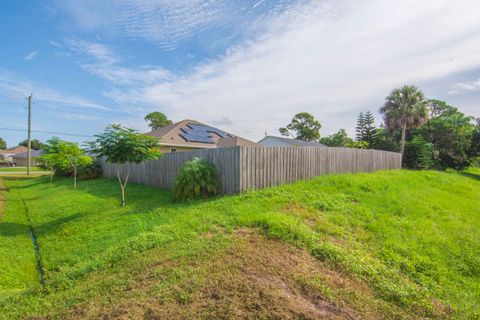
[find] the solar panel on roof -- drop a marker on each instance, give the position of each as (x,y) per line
(201,133)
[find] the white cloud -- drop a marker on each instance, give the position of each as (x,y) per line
(333,59)
(119,75)
(78,117)
(12,86)
(104,63)
(460,87)
(55,44)
(166,22)
(258,3)
(97,51)
(30,56)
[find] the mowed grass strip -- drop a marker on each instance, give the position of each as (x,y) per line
(412,237)
(19,169)
(17,257)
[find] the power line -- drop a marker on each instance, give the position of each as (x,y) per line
(11,98)
(50,132)
(10,101)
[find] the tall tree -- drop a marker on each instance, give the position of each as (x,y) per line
(121,146)
(451,133)
(405,108)
(35,143)
(369,122)
(360,128)
(3,144)
(157,120)
(384,140)
(475,147)
(303,126)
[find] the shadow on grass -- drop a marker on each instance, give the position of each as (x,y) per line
(470,175)
(12,229)
(32,182)
(56,224)
(139,198)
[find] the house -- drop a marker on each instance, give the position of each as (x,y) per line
(190,134)
(7,154)
(272,141)
(21,159)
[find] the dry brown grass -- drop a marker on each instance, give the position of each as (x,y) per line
(255,278)
(3,189)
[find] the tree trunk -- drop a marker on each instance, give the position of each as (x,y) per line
(402,142)
(123,185)
(75,178)
(123,195)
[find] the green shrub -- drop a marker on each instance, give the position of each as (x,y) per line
(357,145)
(197,178)
(418,154)
(92,171)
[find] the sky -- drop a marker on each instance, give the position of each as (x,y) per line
(245,66)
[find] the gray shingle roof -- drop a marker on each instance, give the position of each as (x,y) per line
(295,142)
(34,153)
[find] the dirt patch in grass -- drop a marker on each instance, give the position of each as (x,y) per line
(255,278)
(3,190)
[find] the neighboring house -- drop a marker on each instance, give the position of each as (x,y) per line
(234,141)
(20,159)
(191,134)
(271,141)
(7,154)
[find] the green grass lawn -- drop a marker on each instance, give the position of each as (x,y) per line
(412,239)
(20,169)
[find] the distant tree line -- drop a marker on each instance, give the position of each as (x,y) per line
(429,133)
(35,144)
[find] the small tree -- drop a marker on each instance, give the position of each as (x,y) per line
(339,139)
(69,156)
(122,145)
(303,126)
(48,162)
(418,155)
(157,120)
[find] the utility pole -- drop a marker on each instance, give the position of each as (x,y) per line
(29,145)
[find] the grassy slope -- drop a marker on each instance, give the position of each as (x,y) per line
(413,237)
(18,268)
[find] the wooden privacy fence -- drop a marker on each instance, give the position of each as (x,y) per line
(256,167)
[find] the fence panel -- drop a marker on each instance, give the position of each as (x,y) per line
(271,166)
(257,167)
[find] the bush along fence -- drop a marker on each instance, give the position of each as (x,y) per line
(255,167)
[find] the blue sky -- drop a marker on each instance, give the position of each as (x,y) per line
(244,66)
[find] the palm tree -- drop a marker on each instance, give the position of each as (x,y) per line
(405,108)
